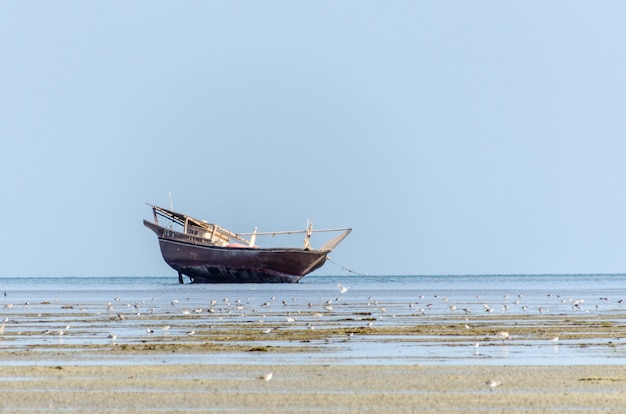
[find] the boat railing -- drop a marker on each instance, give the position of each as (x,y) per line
(308,236)
(186,228)
(168,222)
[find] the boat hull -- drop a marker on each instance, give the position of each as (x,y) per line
(213,264)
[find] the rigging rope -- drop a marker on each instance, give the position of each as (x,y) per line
(345,268)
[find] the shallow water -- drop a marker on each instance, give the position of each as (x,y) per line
(375,311)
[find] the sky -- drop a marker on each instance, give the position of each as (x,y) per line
(454,137)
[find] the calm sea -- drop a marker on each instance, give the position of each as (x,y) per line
(389,300)
(398,287)
(535,289)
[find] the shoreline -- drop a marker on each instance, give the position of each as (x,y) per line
(399,349)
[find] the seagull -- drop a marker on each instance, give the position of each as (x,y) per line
(503,335)
(476,345)
(491,384)
(266,377)
(112,337)
(342,289)
(555,339)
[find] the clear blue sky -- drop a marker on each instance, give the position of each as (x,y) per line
(454,137)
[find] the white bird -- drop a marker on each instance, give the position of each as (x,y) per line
(266,377)
(555,339)
(342,289)
(503,335)
(491,384)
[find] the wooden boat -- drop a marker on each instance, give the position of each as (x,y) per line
(208,253)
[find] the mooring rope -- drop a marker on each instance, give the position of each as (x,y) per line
(345,268)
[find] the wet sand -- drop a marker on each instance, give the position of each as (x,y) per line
(306,388)
(148,354)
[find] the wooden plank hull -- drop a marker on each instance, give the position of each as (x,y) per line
(212,264)
(208,253)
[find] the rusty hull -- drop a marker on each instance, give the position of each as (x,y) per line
(211,264)
(204,263)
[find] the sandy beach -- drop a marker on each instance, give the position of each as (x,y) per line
(297,388)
